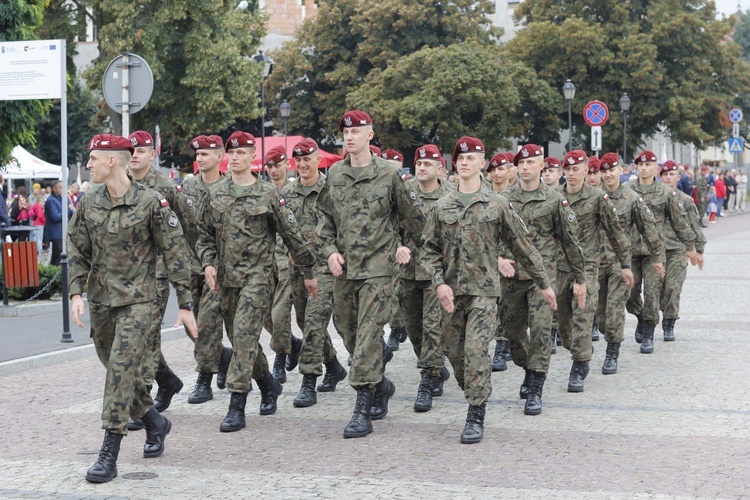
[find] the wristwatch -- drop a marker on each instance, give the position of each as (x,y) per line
(187,306)
(625,266)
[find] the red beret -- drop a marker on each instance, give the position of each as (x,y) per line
(704,168)
(275,155)
(141,139)
(608,161)
(304,148)
(354,118)
(668,166)
(645,156)
(375,150)
(206,142)
(427,152)
(240,139)
(593,164)
(467,144)
(574,157)
(109,142)
(527,151)
(497,161)
(551,162)
(392,154)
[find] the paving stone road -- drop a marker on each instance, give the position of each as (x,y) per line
(674,424)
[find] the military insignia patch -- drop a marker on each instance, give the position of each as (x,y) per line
(464,147)
(179,187)
(173,221)
(163,202)
(525,152)
(290,217)
(282,202)
(422,153)
(571,216)
(235,142)
(404,177)
(189,202)
(681,205)
(614,210)
(196,144)
(412,194)
(348,121)
(648,211)
(565,202)
(606,197)
(133,141)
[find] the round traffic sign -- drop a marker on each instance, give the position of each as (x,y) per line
(735,115)
(596,113)
(140,83)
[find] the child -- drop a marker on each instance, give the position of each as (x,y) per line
(712,205)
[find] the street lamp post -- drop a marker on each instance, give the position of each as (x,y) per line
(267,63)
(569,91)
(625,107)
(286,111)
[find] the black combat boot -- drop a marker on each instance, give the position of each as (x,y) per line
(157,428)
(506,351)
(534,400)
(235,419)
(558,339)
(335,373)
(383,392)
(610,359)
(105,468)
(226,358)
(639,329)
(424,393)
(135,425)
(647,345)
(202,391)
(292,360)
(554,343)
(595,332)
(578,373)
(523,392)
(474,428)
(169,385)
(387,354)
(361,422)
(270,388)
(498,359)
(437,388)
(394,338)
(279,370)
(307,395)
(668,327)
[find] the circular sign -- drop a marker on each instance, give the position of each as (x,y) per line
(140,83)
(735,115)
(596,113)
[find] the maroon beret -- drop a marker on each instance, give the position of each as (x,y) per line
(527,151)
(354,118)
(240,139)
(645,156)
(574,157)
(109,142)
(497,161)
(427,152)
(593,164)
(551,162)
(392,154)
(375,150)
(510,157)
(141,139)
(668,166)
(608,161)
(206,142)
(704,168)
(275,155)
(304,147)
(467,145)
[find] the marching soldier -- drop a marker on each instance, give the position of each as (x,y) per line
(701,192)
(551,175)
(594,179)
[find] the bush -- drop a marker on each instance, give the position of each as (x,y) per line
(46,274)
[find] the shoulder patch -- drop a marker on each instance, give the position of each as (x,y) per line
(189,202)
(164,202)
(571,216)
(290,217)
(614,210)
(404,177)
(681,205)
(648,210)
(173,221)
(674,193)
(606,196)
(565,202)
(179,187)
(282,201)
(412,194)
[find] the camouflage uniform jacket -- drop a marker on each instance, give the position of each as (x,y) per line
(595,211)
(183,207)
(281,254)
(303,207)
(637,219)
(702,187)
(462,244)
(552,226)
(360,215)
(414,269)
(686,204)
(194,187)
(662,201)
(116,245)
(237,233)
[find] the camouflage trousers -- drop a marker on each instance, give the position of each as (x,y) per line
(317,348)
(279,322)
(208,345)
(500,335)
(244,311)
(522,308)
(397,316)
(360,310)
(648,280)
(701,206)
(424,318)
(120,335)
(610,311)
(153,359)
(466,336)
(676,273)
(574,322)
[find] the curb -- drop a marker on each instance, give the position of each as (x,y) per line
(69,354)
(25,311)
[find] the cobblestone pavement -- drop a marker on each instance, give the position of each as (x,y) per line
(674,424)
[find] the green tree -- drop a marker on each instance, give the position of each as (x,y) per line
(18,119)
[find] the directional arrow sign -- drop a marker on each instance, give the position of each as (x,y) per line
(735,115)
(736,145)
(596,138)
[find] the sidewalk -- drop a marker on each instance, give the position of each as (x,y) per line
(669,425)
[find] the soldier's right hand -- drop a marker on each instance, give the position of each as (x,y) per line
(548,294)
(659,267)
(336,263)
(579,292)
(187,318)
(505,266)
(445,294)
(211,278)
(76,309)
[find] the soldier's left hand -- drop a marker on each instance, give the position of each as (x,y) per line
(627,275)
(187,318)
(693,256)
(548,294)
(312,287)
(505,266)
(699,258)
(403,255)
(659,267)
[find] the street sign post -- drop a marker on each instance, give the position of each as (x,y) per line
(596,138)
(736,145)
(735,115)
(127,86)
(595,113)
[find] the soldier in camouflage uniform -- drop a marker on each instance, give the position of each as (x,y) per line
(362,206)
(638,221)
(701,193)
(210,354)
(596,215)
(663,203)
(551,175)
(238,223)
(594,179)
(676,262)
(317,348)
(279,322)
(114,240)
(552,228)
(461,251)
(420,303)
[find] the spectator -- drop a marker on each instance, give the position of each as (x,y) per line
(721,194)
(741,190)
(626,173)
(712,205)
(37,215)
(731,185)
(47,192)
(73,191)
(3,192)
(53,210)
(686,182)
(20,214)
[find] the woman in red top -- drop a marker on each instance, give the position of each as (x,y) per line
(721,193)
(37,215)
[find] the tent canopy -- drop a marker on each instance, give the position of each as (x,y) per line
(25,165)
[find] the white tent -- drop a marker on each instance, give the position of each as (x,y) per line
(25,165)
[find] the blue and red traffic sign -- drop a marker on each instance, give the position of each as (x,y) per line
(596,113)
(735,115)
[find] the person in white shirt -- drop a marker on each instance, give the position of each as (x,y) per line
(739,200)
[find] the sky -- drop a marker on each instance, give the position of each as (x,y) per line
(729,7)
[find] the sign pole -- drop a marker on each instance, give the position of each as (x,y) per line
(66,336)
(125,96)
